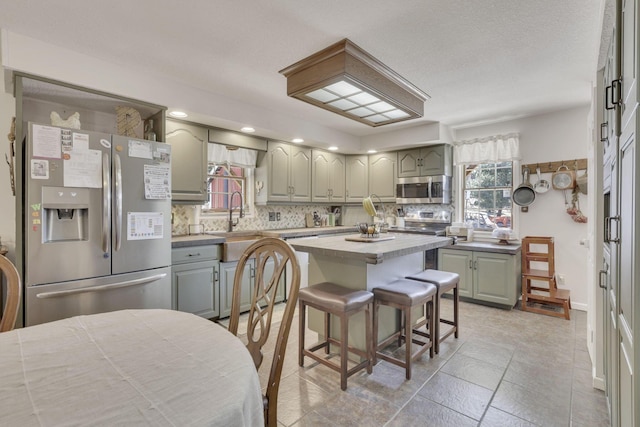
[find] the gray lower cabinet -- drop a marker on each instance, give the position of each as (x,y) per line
(484,276)
(194,280)
(227,276)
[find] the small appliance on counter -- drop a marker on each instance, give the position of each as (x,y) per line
(459,233)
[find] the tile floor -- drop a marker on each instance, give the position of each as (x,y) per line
(507,368)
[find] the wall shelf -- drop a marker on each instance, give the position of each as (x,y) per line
(550,167)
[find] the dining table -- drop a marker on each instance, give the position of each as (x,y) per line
(129,367)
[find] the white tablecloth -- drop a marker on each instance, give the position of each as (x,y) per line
(131,367)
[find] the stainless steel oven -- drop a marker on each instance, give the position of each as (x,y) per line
(424,189)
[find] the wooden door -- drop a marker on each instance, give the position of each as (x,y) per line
(494,277)
(357,178)
(383,176)
(409,163)
(337,178)
(432,160)
(279,159)
(300,174)
(629,249)
(188,161)
(227,275)
(628,60)
(460,262)
(320,164)
(195,287)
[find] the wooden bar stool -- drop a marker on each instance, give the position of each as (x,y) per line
(404,295)
(343,303)
(445,282)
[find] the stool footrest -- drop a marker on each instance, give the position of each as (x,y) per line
(326,362)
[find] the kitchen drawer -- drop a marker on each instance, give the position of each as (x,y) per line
(195,253)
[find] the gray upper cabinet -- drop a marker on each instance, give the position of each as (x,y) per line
(357,173)
(383,176)
(286,168)
(327,177)
(430,160)
(188,162)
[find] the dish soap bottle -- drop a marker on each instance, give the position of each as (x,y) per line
(149,133)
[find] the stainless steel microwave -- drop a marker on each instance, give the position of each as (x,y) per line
(424,189)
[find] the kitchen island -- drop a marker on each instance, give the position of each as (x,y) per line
(365,265)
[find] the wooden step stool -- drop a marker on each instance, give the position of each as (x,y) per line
(544,271)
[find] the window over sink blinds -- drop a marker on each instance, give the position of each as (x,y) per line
(492,149)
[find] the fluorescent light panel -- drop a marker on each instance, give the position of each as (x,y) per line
(347,80)
(356,102)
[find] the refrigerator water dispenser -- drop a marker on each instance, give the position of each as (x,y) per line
(65,214)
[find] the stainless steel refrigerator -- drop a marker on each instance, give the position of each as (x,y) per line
(97,223)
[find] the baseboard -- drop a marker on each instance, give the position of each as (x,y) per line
(578,306)
(598,383)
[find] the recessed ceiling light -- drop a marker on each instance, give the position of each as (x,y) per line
(297,140)
(372,151)
(333,148)
(178,114)
(248,129)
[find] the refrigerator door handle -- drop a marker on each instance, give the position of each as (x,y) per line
(125,284)
(106,202)
(118,196)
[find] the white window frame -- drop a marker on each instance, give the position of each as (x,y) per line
(460,201)
(248,198)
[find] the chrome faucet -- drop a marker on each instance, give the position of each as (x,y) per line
(231,223)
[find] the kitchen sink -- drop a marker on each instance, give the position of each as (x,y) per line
(236,242)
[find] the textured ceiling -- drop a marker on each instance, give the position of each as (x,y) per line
(480,61)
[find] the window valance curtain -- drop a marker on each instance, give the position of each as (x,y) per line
(492,149)
(244,157)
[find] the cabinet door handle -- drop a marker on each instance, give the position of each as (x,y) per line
(607,229)
(616,92)
(198,254)
(602,273)
(607,96)
(216,276)
(475,265)
(603,127)
(470,264)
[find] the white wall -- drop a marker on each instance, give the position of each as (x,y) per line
(562,135)
(7,200)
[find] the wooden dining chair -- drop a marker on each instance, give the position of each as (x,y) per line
(271,258)
(14,291)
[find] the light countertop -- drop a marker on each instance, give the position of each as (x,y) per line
(512,248)
(211,238)
(374,252)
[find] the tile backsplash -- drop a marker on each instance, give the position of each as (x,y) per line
(291,216)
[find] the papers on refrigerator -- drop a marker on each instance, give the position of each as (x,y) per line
(145,225)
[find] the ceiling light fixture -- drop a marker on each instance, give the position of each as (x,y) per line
(345,79)
(178,114)
(248,129)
